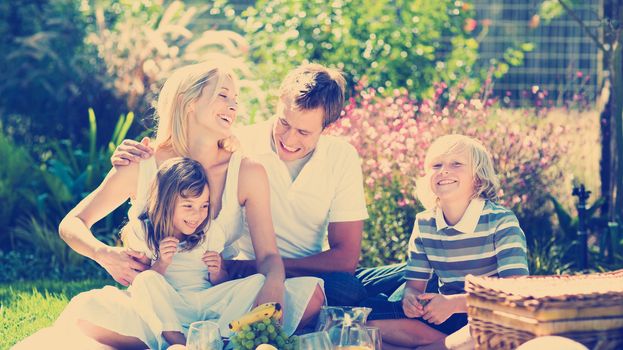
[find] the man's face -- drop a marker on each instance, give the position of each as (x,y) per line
(296,132)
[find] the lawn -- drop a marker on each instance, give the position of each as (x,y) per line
(26,307)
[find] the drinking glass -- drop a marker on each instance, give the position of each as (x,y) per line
(315,341)
(375,336)
(204,335)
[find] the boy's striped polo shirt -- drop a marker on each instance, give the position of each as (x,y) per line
(487,241)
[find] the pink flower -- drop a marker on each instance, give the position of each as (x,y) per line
(470,25)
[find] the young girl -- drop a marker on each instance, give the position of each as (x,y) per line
(185,262)
(463,231)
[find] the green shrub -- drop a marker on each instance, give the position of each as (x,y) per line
(49,76)
(387,230)
(408,44)
(17,177)
(69,174)
(141,43)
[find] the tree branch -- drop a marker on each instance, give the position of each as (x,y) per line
(575,17)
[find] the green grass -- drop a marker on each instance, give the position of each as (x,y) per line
(26,307)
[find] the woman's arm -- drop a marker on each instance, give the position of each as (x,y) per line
(75,229)
(254,194)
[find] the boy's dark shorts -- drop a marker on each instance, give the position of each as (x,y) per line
(382,309)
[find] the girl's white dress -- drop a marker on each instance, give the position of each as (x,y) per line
(156,303)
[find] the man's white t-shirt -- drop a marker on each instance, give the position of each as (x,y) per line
(329,188)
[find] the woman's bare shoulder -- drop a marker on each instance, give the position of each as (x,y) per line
(252,179)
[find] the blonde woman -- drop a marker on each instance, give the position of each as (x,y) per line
(196,109)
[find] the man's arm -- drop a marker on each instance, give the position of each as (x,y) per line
(343,254)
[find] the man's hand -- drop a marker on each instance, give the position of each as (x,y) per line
(168,248)
(240,268)
(213,261)
(122,264)
(438,307)
(131,151)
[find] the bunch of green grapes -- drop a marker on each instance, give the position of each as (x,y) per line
(266,331)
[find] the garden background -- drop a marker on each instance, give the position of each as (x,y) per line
(80,76)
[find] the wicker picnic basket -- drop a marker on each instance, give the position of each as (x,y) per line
(506,312)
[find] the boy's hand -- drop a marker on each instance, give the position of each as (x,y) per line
(168,248)
(131,151)
(411,306)
(438,307)
(213,261)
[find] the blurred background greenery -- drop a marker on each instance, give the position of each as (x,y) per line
(79,76)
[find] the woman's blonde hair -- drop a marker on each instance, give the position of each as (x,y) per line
(177,177)
(486,180)
(185,86)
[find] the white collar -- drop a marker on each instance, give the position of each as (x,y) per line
(468,221)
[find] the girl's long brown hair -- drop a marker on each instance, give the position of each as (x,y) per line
(177,177)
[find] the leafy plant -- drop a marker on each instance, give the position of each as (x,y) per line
(386,43)
(43,237)
(391,221)
(549,257)
(142,43)
(71,173)
(16,183)
(47,70)
(569,224)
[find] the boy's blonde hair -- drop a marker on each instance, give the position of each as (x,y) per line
(486,180)
(185,86)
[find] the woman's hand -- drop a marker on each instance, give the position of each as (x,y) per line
(122,264)
(272,291)
(438,307)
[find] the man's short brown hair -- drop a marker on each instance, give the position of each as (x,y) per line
(312,85)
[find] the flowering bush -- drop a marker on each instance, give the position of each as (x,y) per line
(392,135)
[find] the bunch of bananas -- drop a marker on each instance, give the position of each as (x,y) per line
(259,313)
(260,326)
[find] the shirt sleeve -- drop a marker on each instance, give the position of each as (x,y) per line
(349,202)
(510,247)
(418,267)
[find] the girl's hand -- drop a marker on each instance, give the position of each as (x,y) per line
(213,261)
(168,248)
(438,307)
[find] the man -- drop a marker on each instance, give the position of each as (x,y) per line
(317,196)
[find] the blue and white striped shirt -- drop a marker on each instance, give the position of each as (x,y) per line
(487,241)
